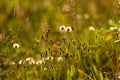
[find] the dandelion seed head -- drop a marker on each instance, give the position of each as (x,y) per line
(43,60)
(91,28)
(62,28)
(29,59)
(118,29)
(16,45)
(21,62)
(48,58)
(39,62)
(51,57)
(68,29)
(104,72)
(118,76)
(12,63)
(45,69)
(59,59)
(112,28)
(32,62)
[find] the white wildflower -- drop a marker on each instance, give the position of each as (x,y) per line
(21,62)
(29,59)
(118,76)
(113,28)
(16,45)
(12,63)
(68,29)
(60,59)
(43,59)
(45,69)
(62,28)
(49,58)
(91,28)
(118,29)
(104,72)
(39,62)
(32,62)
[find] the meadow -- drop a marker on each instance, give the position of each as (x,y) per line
(60,40)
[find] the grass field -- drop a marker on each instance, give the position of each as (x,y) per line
(60,40)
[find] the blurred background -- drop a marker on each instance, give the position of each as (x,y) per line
(27,19)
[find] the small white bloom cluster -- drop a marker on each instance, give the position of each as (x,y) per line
(16,45)
(40,62)
(31,61)
(59,59)
(21,62)
(28,60)
(91,28)
(49,58)
(115,29)
(118,29)
(65,29)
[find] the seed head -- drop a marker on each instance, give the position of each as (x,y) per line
(16,45)
(12,63)
(62,28)
(68,29)
(21,61)
(60,59)
(91,28)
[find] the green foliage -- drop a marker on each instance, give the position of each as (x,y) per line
(90,51)
(70,73)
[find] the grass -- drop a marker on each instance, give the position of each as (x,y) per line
(47,53)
